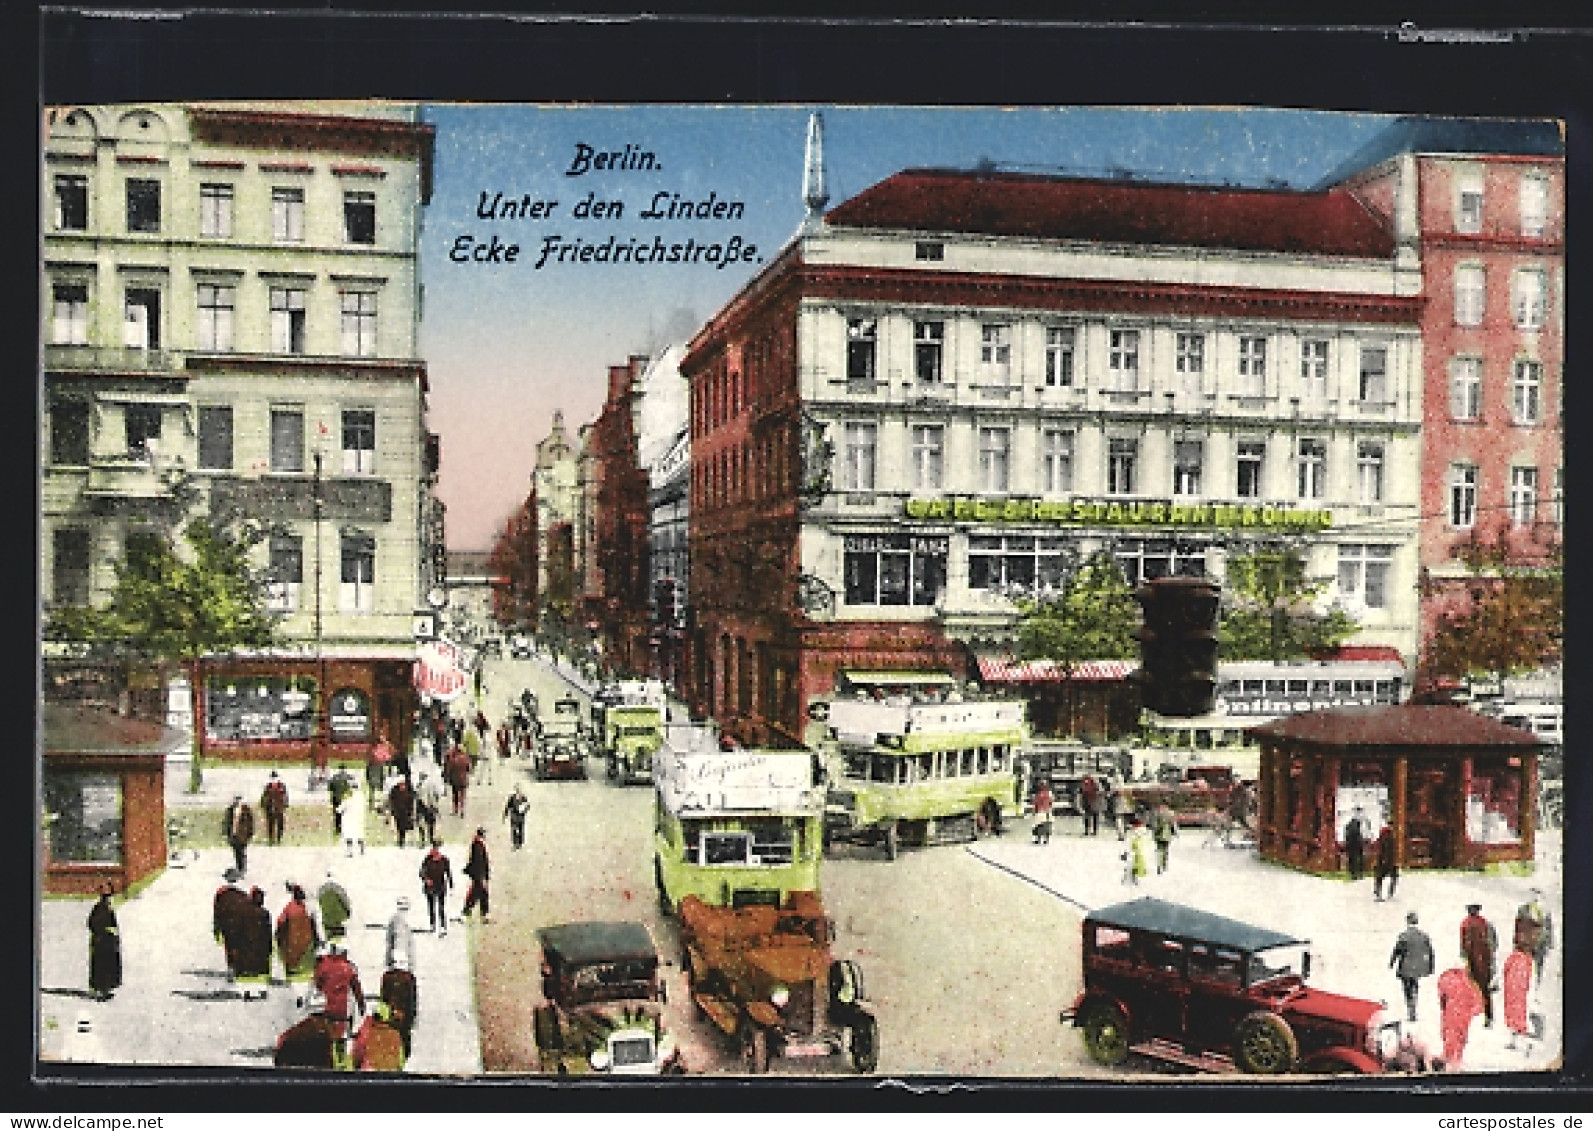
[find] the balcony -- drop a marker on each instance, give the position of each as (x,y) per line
(109,359)
(130,476)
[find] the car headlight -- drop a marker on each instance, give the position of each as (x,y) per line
(1382,1035)
(599,1060)
(779,996)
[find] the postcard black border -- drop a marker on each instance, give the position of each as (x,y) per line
(1527,61)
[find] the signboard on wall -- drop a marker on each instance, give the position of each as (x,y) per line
(351,714)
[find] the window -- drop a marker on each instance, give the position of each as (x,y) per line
(215,212)
(996,561)
(287,215)
(928,456)
(1314,369)
(1463,496)
(141,319)
(359,441)
(215,437)
(1374,375)
(1534,205)
(1311,463)
(1251,455)
(1146,559)
(1253,367)
(1188,458)
(1465,388)
(1059,356)
(1468,205)
(894,569)
(69,432)
(929,340)
(1057,453)
(1523,496)
(1369,470)
(141,426)
(215,317)
(143,206)
(1526,392)
(70,566)
(995,353)
(71,203)
(357,552)
(1122,458)
(71,314)
(857,456)
(930,251)
(87,810)
(287,320)
(1363,574)
(860,341)
(995,446)
(359,324)
(1528,299)
(1470,295)
(285,572)
(359,217)
(287,439)
(1122,359)
(1189,360)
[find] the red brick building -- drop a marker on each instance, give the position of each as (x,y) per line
(1481,206)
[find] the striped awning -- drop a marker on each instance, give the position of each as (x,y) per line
(995,670)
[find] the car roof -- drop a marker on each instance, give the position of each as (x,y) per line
(597,942)
(1151,914)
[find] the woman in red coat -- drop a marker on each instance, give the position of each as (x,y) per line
(297,939)
(1517,982)
(1459,1001)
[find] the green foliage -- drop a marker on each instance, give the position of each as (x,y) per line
(1270,612)
(179,608)
(1513,623)
(1093,618)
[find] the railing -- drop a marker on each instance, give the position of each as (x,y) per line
(110,358)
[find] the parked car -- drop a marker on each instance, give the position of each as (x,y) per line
(603,1008)
(520,647)
(1183,985)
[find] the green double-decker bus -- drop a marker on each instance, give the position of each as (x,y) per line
(929,770)
(733,827)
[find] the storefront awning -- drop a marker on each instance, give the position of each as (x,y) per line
(898,679)
(995,670)
(439,671)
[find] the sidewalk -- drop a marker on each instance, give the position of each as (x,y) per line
(1351,934)
(176,1006)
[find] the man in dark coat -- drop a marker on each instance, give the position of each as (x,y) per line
(254,947)
(105,947)
(514,811)
(274,804)
(1355,846)
(401,806)
(337,789)
(1387,867)
(398,991)
(457,771)
(479,869)
(1090,802)
(1412,961)
(436,877)
(229,911)
(237,825)
(1480,944)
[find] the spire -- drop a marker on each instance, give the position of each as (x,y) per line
(814,195)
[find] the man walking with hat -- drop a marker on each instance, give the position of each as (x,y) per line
(1480,944)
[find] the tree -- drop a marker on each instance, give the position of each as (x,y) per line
(1093,618)
(174,609)
(1514,621)
(514,557)
(1271,611)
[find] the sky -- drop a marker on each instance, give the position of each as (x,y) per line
(508,343)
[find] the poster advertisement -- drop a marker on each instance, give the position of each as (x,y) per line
(459,411)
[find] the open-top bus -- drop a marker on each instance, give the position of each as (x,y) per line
(921,769)
(733,827)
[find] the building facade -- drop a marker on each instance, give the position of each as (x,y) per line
(619,576)
(1481,205)
(959,384)
(231,327)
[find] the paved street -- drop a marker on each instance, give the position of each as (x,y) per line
(968,952)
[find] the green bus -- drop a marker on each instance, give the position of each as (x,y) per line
(926,769)
(733,827)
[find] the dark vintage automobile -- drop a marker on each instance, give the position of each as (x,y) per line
(603,1008)
(561,746)
(1183,985)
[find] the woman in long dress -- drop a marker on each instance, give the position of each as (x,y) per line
(1459,1002)
(297,939)
(1517,982)
(105,947)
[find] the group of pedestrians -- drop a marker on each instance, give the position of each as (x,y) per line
(1466,990)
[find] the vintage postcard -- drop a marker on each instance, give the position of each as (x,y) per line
(1044,593)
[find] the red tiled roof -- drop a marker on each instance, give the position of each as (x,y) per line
(993,670)
(1405,725)
(1130,212)
(1362,653)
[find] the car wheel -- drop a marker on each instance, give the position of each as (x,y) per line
(893,841)
(755,1049)
(1264,1044)
(865,1044)
(1106,1033)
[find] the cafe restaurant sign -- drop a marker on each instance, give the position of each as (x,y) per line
(1087,512)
